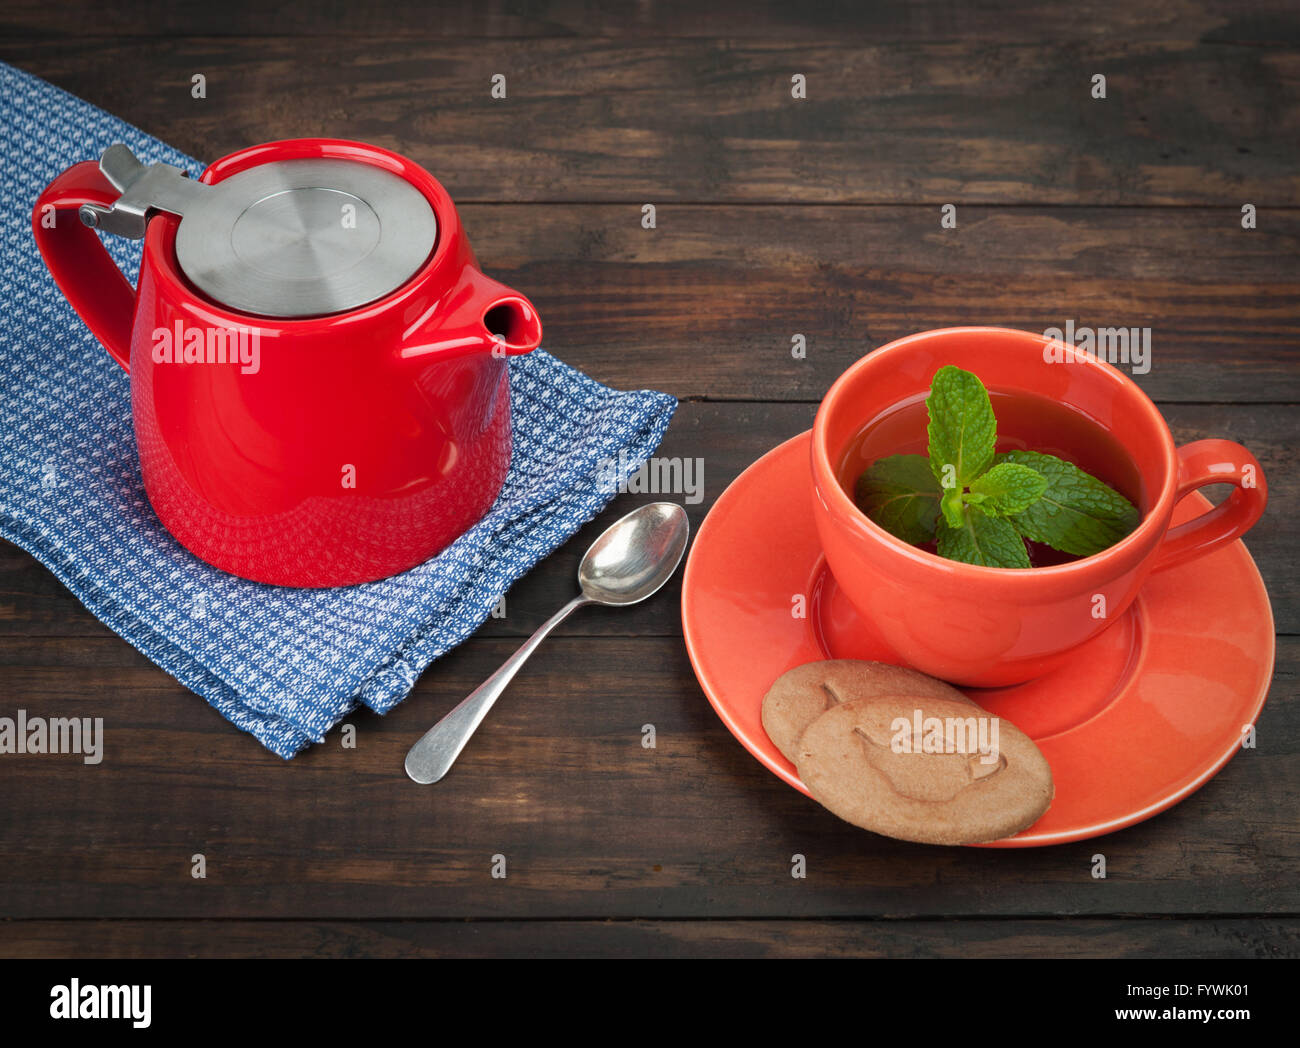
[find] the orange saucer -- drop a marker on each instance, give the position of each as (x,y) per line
(1144,715)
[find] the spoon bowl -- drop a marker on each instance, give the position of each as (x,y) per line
(635,556)
(630,561)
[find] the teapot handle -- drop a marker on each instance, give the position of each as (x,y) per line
(80,265)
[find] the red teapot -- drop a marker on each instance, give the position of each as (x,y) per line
(318,368)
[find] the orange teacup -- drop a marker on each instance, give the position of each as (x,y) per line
(984,626)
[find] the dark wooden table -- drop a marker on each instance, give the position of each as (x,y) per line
(775,216)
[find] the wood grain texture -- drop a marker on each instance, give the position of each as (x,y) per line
(774,217)
(1266,23)
(706,305)
(591,823)
(727,438)
(714,121)
(969,939)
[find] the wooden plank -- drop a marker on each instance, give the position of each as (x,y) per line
(970,939)
(1261,23)
(591,823)
(715,121)
(727,437)
(552,182)
(707,304)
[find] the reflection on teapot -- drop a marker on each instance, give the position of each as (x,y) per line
(318,367)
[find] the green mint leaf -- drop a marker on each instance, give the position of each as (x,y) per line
(988,541)
(952,507)
(901,495)
(962,428)
(1008,488)
(1077,513)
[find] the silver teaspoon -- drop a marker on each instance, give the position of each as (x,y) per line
(628,563)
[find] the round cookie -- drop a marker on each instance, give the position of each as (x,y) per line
(864,761)
(801,695)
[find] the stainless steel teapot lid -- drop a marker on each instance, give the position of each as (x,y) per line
(288,238)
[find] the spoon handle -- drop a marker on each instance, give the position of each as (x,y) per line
(432,757)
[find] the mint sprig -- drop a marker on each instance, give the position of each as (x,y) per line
(962,429)
(901,495)
(989,541)
(1076,513)
(979,507)
(1007,489)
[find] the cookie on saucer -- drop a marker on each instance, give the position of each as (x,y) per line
(933,771)
(801,695)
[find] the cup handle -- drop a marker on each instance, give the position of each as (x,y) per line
(80,265)
(1205,462)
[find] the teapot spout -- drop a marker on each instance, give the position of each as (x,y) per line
(482,315)
(513,322)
